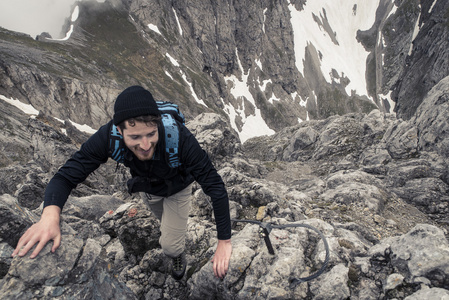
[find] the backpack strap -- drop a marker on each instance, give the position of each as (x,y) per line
(116,145)
(171,134)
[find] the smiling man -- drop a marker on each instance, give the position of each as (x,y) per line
(167,190)
(141,137)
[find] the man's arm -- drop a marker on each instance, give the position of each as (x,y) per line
(200,166)
(92,154)
(42,232)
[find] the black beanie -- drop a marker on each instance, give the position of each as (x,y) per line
(133,102)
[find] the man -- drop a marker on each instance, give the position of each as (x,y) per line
(166,190)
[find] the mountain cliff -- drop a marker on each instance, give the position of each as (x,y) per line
(262,65)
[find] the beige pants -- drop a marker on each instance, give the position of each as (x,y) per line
(173,212)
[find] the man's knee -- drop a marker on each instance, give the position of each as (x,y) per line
(172,248)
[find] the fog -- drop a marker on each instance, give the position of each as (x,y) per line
(36,16)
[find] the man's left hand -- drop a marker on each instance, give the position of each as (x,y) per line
(221,258)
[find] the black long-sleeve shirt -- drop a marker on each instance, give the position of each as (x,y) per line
(153,176)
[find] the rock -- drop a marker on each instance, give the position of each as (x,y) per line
(423,68)
(332,285)
(422,252)
(303,138)
(357,194)
(401,172)
(59,264)
(137,230)
(430,119)
(430,194)
(116,242)
(74,269)
(31,193)
(432,293)
(15,220)
(337,139)
(393,281)
(92,207)
(358,178)
(214,136)
(401,140)
(203,284)
(5,258)
(116,253)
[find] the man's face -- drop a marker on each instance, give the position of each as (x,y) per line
(141,139)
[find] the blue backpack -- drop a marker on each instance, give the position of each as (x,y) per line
(170,113)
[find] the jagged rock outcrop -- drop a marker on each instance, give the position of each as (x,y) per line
(428,63)
(375,186)
(197,50)
(71,99)
(408,56)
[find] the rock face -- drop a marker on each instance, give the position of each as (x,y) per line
(426,52)
(199,48)
(408,45)
(375,186)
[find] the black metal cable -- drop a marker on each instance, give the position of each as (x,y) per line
(266,229)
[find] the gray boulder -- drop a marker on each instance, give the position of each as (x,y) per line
(431,119)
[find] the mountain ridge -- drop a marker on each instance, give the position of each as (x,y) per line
(211,81)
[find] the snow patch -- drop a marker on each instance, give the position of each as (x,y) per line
(392,12)
(169,75)
(184,77)
(273,98)
(172,60)
(264,83)
(74,17)
(415,33)
(259,64)
(264,18)
(253,125)
(433,4)
(302,102)
(387,97)
(177,21)
(154,28)
(26,108)
(349,56)
(75,13)
(67,35)
(30,110)
(84,128)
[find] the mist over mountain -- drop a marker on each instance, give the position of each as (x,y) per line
(34,18)
(332,113)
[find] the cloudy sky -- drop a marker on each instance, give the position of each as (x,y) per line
(35,16)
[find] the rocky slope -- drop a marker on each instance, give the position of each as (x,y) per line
(375,186)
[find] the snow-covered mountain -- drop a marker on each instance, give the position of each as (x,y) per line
(265,65)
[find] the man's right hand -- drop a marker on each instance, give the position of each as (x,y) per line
(42,232)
